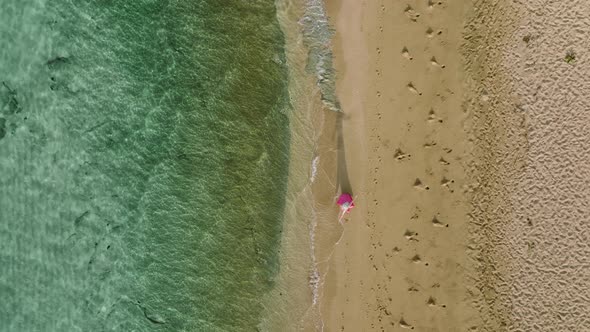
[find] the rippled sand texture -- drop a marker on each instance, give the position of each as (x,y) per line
(532,159)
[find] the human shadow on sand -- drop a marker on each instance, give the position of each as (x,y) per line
(342,171)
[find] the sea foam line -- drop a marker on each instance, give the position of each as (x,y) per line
(314,168)
(317,36)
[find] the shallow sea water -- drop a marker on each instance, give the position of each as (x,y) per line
(143,163)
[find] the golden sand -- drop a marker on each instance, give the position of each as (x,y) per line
(465,134)
(402,261)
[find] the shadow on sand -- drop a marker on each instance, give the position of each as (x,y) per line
(342,172)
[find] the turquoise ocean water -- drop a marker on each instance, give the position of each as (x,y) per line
(143,163)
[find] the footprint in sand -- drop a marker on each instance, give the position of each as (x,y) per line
(429,32)
(405,325)
(410,235)
(411,13)
(413,89)
(438,223)
(446,183)
(429,145)
(433,118)
(443,161)
(400,155)
(416,259)
(396,250)
(406,54)
(435,63)
(419,185)
(431,301)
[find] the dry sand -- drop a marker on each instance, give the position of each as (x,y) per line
(530,124)
(465,139)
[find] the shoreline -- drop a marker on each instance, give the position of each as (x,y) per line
(292,304)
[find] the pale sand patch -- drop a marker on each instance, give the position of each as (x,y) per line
(402,262)
(531,128)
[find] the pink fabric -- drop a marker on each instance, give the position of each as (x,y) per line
(345,198)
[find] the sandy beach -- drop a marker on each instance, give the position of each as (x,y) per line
(402,261)
(463,138)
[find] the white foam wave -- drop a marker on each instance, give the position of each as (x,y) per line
(314,168)
(317,35)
